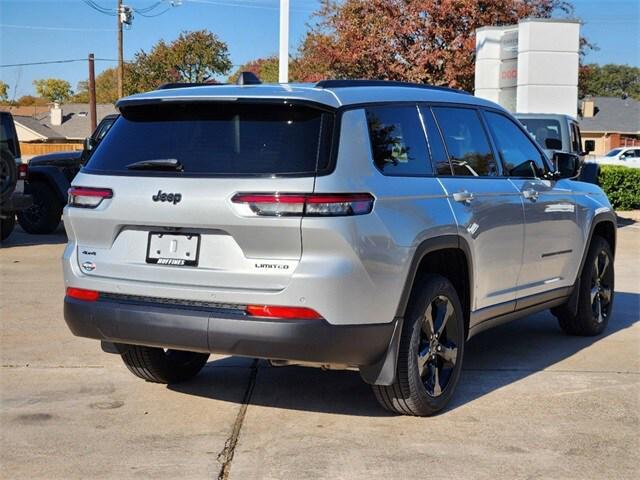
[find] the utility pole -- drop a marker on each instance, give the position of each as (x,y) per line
(283,63)
(92,93)
(120,66)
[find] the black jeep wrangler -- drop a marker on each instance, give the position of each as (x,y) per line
(12,174)
(49,178)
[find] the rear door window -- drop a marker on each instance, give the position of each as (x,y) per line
(439,158)
(576,143)
(209,138)
(397,141)
(466,141)
(520,157)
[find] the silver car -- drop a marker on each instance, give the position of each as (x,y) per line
(351,224)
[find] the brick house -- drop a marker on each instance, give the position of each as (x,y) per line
(611,122)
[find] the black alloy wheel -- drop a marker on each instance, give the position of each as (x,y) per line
(438,351)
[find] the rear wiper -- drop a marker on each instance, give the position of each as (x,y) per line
(157,164)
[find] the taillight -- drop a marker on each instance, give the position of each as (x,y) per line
(23,171)
(88,197)
(271,311)
(299,204)
(83,294)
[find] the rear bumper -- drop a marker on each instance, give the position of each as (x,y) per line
(227,332)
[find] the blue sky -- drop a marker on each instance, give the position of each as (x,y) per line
(42,30)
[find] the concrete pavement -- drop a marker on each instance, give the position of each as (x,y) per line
(532,402)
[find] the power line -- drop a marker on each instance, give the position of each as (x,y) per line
(142,11)
(101,9)
(152,15)
(44,27)
(57,61)
(149,8)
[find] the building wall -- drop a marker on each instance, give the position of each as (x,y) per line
(531,67)
(609,141)
(26,135)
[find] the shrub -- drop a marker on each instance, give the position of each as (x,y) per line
(622,186)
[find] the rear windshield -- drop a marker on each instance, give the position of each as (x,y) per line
(542,129)
(236,139)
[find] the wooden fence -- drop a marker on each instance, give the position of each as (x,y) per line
(31,149)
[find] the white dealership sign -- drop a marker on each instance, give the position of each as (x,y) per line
(531,67)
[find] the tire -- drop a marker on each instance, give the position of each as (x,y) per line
(159,366)
(44,215)
(413,393)
(597,279)
(6,227)
(8,174)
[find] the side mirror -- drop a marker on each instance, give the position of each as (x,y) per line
(567,164)
(89,143)
(589,146)
(553,144)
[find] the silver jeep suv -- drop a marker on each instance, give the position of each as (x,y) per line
(355,224)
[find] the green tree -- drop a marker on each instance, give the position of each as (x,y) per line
(106,87)
(4,91)
(610,81)
(30,100)
(265,68)
(193,57)
(53,89)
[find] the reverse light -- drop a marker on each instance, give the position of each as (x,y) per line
(271,311)
(23,171)
(83,294)
(88,197)
(301,204)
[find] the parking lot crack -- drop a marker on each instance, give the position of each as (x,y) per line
(225,457)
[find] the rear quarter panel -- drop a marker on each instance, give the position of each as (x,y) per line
(378,248)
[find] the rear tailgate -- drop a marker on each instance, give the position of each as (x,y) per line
(180,227)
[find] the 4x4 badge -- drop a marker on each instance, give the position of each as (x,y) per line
(167,197)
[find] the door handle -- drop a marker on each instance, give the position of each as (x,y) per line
(464,197)
(530,194)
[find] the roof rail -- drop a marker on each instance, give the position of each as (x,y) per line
(382,83)
(170,85)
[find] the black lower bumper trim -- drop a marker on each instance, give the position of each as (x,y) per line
(227,333)
(16,202)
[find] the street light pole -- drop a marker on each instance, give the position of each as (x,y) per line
(283,63)
(120,66)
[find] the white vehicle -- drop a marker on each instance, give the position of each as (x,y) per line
(623,156)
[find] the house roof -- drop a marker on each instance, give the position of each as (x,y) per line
(37,127)
(613,114)
(25,110)
(76,123)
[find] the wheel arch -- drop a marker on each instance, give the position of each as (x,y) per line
(447,255)
(603,225)
(52,177)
